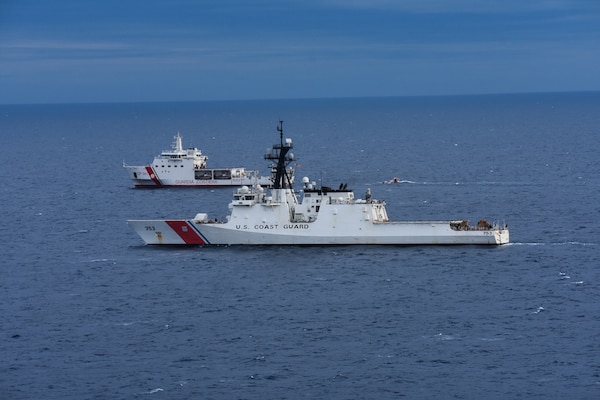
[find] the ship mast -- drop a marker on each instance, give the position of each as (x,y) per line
(279,153)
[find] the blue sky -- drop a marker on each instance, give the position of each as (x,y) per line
(178,50)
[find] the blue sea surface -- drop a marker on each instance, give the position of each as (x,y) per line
(90,312)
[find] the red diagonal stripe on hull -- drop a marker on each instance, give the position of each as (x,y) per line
(186,232)
(153,175)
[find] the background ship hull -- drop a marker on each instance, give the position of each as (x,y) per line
(208,184)
(146,177)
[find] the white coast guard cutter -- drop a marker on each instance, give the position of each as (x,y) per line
(324,216)
(187,168)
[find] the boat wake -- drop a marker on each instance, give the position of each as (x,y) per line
(397,181)
(552,244)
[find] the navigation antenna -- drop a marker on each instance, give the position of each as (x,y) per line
(279,153)
(280,130)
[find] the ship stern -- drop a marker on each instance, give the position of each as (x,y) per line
(502,236)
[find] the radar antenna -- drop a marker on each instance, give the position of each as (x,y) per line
(279,153)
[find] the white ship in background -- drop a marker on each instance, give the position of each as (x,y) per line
(187,168)
(323,216)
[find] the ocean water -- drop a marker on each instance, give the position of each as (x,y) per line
(89,312)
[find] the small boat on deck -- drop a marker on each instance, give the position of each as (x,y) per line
(320,216)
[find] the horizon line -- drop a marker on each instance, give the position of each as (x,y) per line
(303,98)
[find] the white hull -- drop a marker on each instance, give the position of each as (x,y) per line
(149,177)
(193,232)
